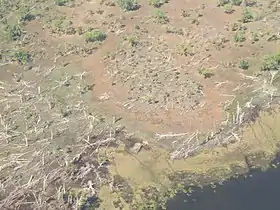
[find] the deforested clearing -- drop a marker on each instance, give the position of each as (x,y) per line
(119,104)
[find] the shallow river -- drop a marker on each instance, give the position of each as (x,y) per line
(261,191)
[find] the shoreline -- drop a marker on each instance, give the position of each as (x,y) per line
(209,166)
(237,192)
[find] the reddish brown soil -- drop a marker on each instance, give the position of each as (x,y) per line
(206,31)
(213,23)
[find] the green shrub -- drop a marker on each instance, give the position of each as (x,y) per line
(95,35)
(161,17)
(271,63)
(14,32)
(243,64)
(205,72)
(254,37)
(21,57)
(228,9)
(236,2)
(239,36)
(247,16)
(221,3)
(60,2)
(128,5)
(158,3)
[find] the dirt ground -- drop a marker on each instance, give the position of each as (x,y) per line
(82,83)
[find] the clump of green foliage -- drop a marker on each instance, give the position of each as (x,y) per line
(205,72)
(95,35)
(239,36)
(236,2)
(14,32)
(161,17)
(61,2)
(21,57)
(247,16)
(128,5)
(254,37)
(222,3)
(228,9)
(271,63)
(243,64)
(158,3)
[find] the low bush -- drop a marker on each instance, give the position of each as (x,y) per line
(128,5)
(271,63)
(95,35)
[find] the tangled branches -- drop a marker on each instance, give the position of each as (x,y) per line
(51,142)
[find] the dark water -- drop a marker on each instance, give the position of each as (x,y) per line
(259,192)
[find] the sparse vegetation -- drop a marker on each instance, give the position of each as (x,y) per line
(132,40)
(221,3)
(128,5)
(236,2)
(95,35)
(158,3)
(228,9)
(254,37)
(250,3)
(243,64)
(22,57)
(271,63)
(63,26)
(161,17)
(239,36)
(236,26)
(14,32)
(247,16)
(205,72)
(61,2)
(186,50)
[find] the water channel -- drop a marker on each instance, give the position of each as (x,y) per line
(259,191)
